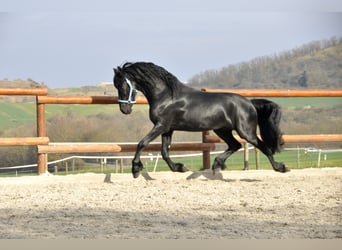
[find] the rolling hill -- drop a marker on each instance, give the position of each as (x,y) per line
(314,65)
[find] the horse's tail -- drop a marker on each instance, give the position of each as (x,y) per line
(269,114)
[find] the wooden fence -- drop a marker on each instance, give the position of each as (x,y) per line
(280,92)
(20,141)
(208,143)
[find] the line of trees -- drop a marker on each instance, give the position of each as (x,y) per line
(313,65)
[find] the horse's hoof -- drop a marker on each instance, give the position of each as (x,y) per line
(181,168)
(286,169)
(136,169)
(282,168)
(136,174)
(218,164)
(218,168)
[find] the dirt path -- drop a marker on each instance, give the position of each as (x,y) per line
(235,204)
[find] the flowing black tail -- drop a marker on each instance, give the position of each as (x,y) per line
(269,115)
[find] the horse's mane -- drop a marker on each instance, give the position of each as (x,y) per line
(150,74)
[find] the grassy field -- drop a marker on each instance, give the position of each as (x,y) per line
(307,101)
(15,114)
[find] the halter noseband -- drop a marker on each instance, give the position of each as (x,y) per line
(131,90)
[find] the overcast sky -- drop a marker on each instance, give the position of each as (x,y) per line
(78,44)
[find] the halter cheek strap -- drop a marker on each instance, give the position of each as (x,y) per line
(130,95)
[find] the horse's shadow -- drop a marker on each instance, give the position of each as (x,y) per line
(108,177)
(194,175)
(208,176)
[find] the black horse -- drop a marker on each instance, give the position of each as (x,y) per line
(175,106)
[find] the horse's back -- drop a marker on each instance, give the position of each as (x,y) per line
(232,101)
(206,110)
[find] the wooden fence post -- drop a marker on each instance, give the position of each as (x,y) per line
(205,153)
(41,132)
(257,158)
(246,156)
(298,157)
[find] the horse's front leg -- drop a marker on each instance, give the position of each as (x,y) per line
(166,142)
(137,165)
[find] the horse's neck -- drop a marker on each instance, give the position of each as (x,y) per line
(161,93)
(155,97)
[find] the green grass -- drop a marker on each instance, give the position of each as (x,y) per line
(307,101)
(79,109)
(235,162)
(16,114)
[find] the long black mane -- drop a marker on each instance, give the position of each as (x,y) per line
(147,73)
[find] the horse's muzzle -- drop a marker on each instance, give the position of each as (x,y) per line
(126,108)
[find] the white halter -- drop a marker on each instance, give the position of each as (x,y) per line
(131,90)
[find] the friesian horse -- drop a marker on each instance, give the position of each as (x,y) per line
(175,106)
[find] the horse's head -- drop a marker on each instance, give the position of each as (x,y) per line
(126,91)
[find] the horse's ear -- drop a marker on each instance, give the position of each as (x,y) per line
(117,70)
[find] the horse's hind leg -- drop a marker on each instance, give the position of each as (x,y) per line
(277,166)
(233,145)
(256,142)
(166,142)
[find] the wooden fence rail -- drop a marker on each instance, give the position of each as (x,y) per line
(23,141)
(84,100)
(78,148)
(280,92)
(287,138)
(111,148)
(207,144)
(38,91)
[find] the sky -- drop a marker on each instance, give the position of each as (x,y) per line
(78,43)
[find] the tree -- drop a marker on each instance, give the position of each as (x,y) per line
(302,81)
